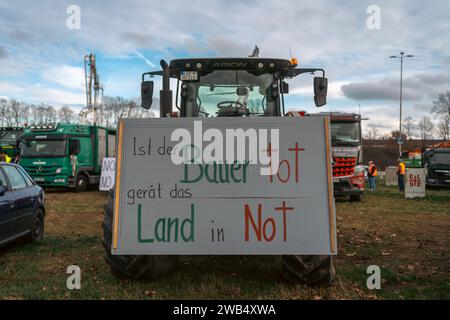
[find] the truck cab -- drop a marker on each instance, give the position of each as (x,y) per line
(436,161)
(437,165)
(348,170)
(66,155)
(346,148)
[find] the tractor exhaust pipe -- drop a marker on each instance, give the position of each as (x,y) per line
(165,95)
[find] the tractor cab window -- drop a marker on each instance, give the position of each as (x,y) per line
(229,93)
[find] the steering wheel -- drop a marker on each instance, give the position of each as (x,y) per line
(229,104)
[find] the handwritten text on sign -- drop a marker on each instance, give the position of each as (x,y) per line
(107,177)
(224,208)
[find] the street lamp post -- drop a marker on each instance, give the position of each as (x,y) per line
(401,57)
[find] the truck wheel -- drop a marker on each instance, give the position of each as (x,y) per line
(308,270)
(145,267)
(81,183)
(358,197)
(37,227)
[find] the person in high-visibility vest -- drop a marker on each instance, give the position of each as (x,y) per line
(4,158)
(401,175)
(372,174)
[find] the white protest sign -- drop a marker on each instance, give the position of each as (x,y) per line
(391,178)
(415,183)
(224,208)
(108,174)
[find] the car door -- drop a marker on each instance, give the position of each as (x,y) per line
(7,209)
(23,199)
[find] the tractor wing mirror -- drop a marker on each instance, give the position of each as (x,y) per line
(320,91)
(146,94)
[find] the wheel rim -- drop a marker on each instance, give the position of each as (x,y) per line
(81,183)
(37,226)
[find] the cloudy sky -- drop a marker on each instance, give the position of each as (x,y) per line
(41,59)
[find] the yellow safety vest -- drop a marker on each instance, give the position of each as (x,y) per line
(401,168)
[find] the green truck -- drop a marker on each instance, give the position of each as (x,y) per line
(66,155)
(9,140)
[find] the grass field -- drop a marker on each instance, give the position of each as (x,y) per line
(408,239)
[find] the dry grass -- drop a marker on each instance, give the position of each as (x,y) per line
(408,239)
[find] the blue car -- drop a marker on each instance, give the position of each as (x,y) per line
(22,210)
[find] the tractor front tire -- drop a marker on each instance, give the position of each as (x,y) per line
(132,267)
(308,270)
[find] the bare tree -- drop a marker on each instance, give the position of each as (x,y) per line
(409,126)
(39,113)
(372,134)
(394,136)
(65,114)
(3,104)
(441,107)
(443,128)
(426,128)
(50,114)
(15,109)
(25,114)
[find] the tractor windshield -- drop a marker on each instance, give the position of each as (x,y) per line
(230,93)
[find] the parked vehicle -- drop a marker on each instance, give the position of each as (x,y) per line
(66,155)
(243,87)
(22,209)
(346,145)
(435,159)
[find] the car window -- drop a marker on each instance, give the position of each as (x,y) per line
(15,178)
(25,175)
(3,179)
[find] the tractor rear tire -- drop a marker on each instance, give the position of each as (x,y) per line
(132,267)
(308,270)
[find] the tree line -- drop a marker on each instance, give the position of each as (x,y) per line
(434,126)
(15,113)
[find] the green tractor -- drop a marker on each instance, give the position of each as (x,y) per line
(221,87)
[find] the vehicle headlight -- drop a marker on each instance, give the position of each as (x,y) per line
(58,170)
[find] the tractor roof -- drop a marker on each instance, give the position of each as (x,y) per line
(205,65)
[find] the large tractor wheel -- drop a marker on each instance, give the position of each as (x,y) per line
(308,270)
(148,267)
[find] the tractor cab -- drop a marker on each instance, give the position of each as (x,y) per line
(228,87)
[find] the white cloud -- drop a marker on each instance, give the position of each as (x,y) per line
(57,97)
(334,90)
(41,94)
(65,76)
(141,56)
(325,34)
